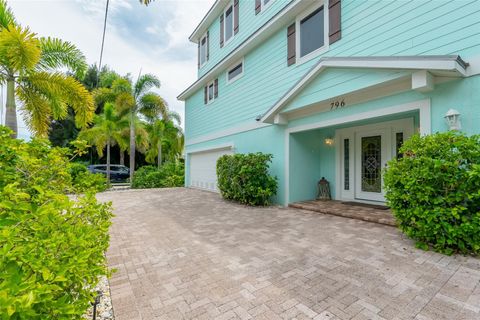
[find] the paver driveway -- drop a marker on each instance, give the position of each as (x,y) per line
(187,254)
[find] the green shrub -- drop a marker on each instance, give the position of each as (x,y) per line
(51,246)
(170,174)
(245,178)
(83,180)
(434,191)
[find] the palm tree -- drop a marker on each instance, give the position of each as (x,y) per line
(30,66)
(106,132)
(164,132)
(135,100)
(146,2)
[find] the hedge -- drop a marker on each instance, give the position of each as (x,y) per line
(170,174)
(51,246)
(245,178)
(434,191)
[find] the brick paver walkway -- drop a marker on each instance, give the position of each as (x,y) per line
(187,254)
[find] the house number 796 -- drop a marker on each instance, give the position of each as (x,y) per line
(337,104)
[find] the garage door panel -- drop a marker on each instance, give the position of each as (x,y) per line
(203,169)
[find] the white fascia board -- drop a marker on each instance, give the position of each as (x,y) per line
(288,13)
(223,146)
(215,10)
(433,63)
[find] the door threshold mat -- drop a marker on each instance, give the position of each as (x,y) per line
(366,205)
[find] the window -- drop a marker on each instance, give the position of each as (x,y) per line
(312,29)
(203,50)
(311,32)
(211,91)
(235,72)
(266,3)
(229,23)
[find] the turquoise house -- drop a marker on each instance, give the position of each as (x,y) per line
(331,88)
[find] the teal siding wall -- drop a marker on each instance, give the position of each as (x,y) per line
(248,24)
(461,94)
(334,82)
(368,28)
(267,140)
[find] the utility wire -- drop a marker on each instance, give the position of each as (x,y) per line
(103,42)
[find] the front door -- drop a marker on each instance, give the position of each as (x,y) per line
(372,151)
(363,153)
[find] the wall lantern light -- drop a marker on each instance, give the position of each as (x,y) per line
(329,141)
(452,117)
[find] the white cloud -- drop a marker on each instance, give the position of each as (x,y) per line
(153,39)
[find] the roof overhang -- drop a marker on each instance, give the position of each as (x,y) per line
(278,21)
(212,14)
(422,67)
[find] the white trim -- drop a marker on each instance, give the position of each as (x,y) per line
(225,41)
(206,49)
(227,132)
(423,106)
(233,66)
(405,125)
(229,145)
(439,63)
(318,51)
(264,6)
(285,15)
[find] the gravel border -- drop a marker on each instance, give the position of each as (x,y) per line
(104,307)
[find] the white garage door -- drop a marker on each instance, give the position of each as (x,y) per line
(203,169)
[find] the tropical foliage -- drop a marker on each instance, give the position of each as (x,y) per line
(171,174)
(134,100)
(106,132)
(51,247)
(433,191)
(31,67)
(245,178)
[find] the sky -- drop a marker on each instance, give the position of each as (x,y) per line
(151,39)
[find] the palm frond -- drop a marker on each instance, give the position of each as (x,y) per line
(35,109)
(103,95)
(6,16)
(66,91)
(151,105)
(145,83)
(146,2)
(19,49)
(122,85)
(58,54)
(124,102)
(173,115)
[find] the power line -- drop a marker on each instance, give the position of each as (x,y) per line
(103,41)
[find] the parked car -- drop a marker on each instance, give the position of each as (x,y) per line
(117,172)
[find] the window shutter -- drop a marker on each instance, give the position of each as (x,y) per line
(221,31)
(205,92)
(258,6)
(235,17)
(199,41)
(215,88)
(335,20)
(208,45)
(291,45)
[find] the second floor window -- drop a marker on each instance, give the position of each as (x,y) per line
(312,32)
(203,50)
(235,72)
(229,23)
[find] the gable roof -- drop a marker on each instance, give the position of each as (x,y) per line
(452,65)
(208,19)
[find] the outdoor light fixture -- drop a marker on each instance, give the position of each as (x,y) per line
(452,117)
(329,141)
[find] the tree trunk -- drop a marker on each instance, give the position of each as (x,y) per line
(122,157)
(159,157)
(108,163)
(132,145)
(11,112)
